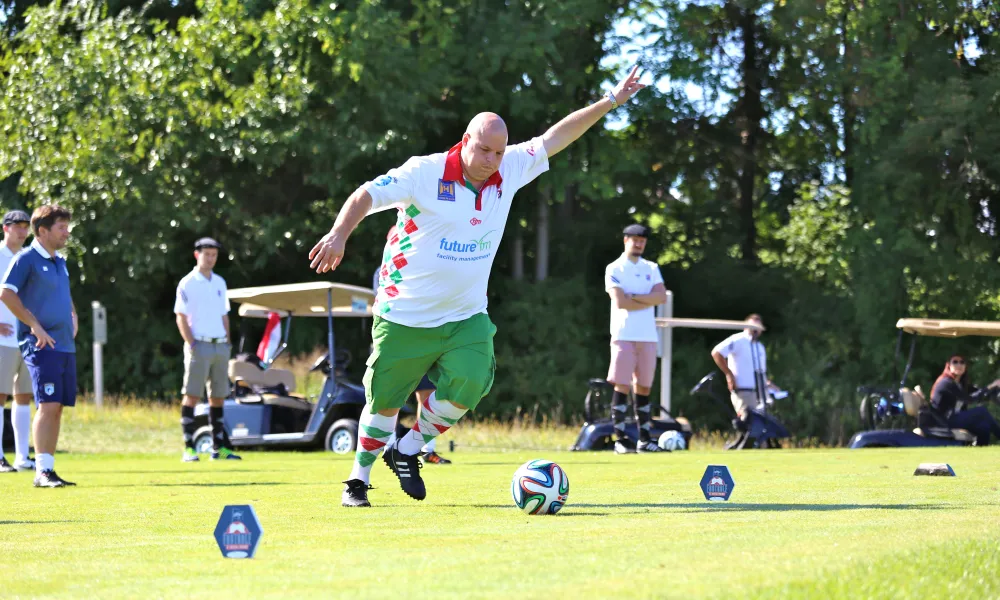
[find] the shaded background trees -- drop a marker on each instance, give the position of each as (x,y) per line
(831,165)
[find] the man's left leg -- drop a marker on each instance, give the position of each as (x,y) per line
(463,376)
(644,372)
(53,375)
(218,389)
(428,451)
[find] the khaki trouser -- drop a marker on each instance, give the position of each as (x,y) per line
(743,401)
(14,376)
(205,361)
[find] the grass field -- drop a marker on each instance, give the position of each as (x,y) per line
(801,524)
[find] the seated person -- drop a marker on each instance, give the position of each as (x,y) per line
(952,386)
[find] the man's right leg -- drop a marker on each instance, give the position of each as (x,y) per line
(196,367)
(5,467)
(623,365)
(20,418)
(51,383)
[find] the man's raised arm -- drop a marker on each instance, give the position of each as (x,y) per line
(327,254)
(568,130)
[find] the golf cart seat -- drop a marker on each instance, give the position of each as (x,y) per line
(252,376)
(945,433)
(929,425)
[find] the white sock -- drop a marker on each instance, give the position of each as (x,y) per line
(44,462)
(436,417)
(429,446)
(373,431)
(20,415)
(1,428)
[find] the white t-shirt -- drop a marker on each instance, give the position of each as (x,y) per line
(6,316)
(633,278)
(204,303)
(435,269)
(744,357)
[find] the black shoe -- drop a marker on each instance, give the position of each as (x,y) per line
(355,493)
(49,479)
(6,467)
(434,458)
(407,470)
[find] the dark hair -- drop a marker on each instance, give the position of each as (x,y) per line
(962,381)
(46,216)
(754,317)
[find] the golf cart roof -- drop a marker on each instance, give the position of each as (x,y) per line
(950,329)
(303,300)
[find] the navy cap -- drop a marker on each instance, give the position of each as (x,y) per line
(16,216)
(207,242)
(636,229)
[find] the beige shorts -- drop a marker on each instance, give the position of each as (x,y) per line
(743,401)
(632,363)
(206,362)
(14,376)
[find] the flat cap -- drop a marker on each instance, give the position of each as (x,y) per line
(636,229)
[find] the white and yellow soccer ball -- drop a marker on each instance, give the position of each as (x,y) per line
(540,487)
(672,440)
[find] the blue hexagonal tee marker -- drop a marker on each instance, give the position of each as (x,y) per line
(717,484)
(238,532)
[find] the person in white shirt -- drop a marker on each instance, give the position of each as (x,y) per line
(636,287)
(743,361)
(431,316)
(202,310)
(14,377)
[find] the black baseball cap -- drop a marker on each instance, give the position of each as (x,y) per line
(636,229)
(207,242)
(16,216)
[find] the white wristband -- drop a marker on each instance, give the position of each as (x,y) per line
(614,102)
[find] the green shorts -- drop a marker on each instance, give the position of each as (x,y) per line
(457,357)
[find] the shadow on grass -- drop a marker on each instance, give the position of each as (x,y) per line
(215,484)
(711,507)
(36,522)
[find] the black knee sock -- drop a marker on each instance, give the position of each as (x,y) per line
(219,437)
(619,404)
(187,425)
(643,417)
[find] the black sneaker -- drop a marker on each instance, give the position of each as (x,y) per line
(6,467)
(625,446)
(407,470)
(648,446)
(49,479)
(355,493)
(434,458)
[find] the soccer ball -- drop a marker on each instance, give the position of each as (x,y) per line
(540,487)
(672,440)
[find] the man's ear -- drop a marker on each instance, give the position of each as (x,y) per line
(465,138)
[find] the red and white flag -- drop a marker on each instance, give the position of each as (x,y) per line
(272,338)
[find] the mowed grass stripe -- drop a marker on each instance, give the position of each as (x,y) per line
(635,526)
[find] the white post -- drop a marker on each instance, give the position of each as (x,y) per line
(665,310)
(100,337)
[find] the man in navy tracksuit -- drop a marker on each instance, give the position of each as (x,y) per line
(36,289)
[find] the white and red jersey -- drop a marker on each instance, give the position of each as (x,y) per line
(436,267)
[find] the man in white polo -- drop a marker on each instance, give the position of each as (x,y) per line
(636,287)
(202,310)
(451,211)
(14,377)
(742,359)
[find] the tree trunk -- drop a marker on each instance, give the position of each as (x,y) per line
(518,253)
(542,236)
(749,120)
(848,93)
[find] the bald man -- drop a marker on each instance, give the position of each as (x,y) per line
(451,211)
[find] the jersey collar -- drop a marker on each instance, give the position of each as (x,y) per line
(40,249)
(453,172)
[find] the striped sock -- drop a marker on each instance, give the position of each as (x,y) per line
(436,417)
(643,417)
(374,430)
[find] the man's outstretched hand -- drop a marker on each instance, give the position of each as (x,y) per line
(628,87)
(327,253)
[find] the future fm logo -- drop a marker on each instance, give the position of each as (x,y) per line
(472,246)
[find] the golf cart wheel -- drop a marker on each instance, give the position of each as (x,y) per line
(203,440)
(342,437)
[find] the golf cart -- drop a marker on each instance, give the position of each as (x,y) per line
(880,406)
(263,409)
(763,430)
(598,433)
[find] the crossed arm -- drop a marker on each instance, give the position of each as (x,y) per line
(656,296)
